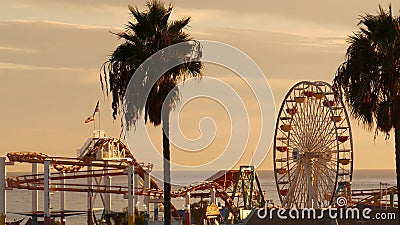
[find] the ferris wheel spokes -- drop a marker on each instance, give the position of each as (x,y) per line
(312,147)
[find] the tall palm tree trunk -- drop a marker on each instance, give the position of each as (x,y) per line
(397,153)
(167,172)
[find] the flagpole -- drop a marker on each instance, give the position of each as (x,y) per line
(99,117)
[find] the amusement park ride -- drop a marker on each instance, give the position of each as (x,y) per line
(313,147)
(313,151)
(313,166)
(101,158)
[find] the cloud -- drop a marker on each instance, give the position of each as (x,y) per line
(49,44)
(54,44)
(339,12)
(310,17)
(282,55)
(50,81)
(333,12)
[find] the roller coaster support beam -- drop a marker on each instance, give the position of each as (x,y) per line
(136,187)
(34,196)
(187,204)
(107,199)
(146,187)
(62,200)
(46,193)
(131,195)
(2,190)
(90,197)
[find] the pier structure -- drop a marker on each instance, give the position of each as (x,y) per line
(101,158)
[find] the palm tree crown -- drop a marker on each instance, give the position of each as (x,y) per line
(370,76)
(150,32)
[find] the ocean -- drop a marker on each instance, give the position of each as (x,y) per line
(20,200)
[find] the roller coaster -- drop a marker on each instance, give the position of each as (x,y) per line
(102,157)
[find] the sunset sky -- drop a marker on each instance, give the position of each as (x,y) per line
(51,53)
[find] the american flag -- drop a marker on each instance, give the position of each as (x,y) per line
(91,118)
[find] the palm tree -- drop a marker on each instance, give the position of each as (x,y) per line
(149,32)
(369,79)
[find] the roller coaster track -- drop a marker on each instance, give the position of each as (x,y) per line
(35,182)
(207,185)
(73,165)
(70,169)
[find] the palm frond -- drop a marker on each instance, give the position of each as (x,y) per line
(369,79)
(150,31)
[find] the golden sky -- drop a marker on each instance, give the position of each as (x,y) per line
(51,53)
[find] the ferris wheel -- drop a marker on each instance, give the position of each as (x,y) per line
(313,147)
